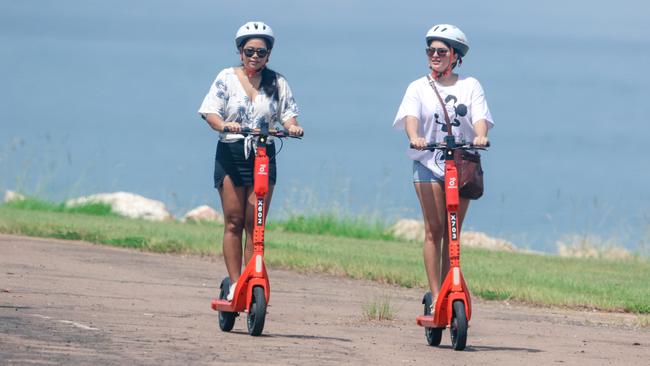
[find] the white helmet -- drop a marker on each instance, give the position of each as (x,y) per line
(254,29)
(451,34)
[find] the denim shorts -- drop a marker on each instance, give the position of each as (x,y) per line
(422,174)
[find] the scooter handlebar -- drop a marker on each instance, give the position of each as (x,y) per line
(256,132)
(443,146)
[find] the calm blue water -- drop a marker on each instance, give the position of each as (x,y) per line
(102,96)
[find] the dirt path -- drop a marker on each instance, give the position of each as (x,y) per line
(75,303)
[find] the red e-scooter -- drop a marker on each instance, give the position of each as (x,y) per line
(252,292)
(454,306)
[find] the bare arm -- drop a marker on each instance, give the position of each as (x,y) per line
(481,130)
(411,128)
(293,127)
(218,124)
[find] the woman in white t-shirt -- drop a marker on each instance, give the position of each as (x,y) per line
(245,96)
(421,115)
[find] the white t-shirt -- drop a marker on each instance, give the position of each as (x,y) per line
(465,103)
(228,99)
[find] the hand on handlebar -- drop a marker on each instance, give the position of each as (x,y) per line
(418,143)
(233,127)
(295,130)
(481,141)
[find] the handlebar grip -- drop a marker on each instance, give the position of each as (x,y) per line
(472,146)
(242,130)
(426,147)
(285,133)
(429,146)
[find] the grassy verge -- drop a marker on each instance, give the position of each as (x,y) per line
(332,224)
(98,209)
(614,285)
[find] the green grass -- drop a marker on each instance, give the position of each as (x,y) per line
(613,285)
(99,209)
(109,229)
(332,224)
(379,309)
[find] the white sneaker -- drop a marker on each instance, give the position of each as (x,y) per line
(231,292)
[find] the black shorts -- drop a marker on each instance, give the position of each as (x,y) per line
(230,161)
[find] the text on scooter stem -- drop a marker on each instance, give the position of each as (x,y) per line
(454,228)
(260,209)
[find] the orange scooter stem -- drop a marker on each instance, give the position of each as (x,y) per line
(453,307)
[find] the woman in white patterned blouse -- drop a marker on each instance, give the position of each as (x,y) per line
(247,95)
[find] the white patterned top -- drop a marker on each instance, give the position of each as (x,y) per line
(228,99)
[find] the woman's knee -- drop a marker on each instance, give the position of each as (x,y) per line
(234,223)
(433,231)
(433,238)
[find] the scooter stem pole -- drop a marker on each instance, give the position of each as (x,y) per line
(261,188)
(452,199)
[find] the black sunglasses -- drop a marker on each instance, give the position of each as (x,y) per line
(261,52)
(442,52)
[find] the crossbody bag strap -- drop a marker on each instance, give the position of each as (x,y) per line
(442,104)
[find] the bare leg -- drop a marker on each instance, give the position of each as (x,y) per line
(250,217)
(432,201)
(233,203)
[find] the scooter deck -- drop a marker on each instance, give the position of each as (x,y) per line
(453,288)
(223,305)
(428,321)
(244,289)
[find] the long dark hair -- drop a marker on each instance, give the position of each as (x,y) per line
(269,82)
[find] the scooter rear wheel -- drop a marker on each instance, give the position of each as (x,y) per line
(433,335)
(226,319)
(459,326)
(257,312)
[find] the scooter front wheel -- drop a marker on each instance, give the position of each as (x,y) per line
(459,326)
(257,312)
(433,335)
(226,319)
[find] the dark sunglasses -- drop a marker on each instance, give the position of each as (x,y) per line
(442,52)
(261,52)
